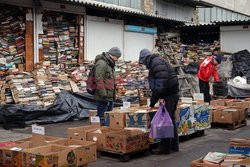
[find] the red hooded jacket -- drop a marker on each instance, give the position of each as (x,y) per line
(208,69)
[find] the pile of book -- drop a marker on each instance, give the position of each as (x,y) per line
(216,159)
(80,76)
(41,86)
(59,40)
(24,90)
(130,76)
(12,31)
(59,78)
(44,86)
(198,52)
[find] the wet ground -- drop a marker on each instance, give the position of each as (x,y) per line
(213,140)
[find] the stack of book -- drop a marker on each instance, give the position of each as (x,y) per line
(130,77)
(12,31)
(80,76)
(44,86)
(60,44)
(24,90)
(59,78)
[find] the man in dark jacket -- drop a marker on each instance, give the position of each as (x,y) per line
(167,91)
(105,91)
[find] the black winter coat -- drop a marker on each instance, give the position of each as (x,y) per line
(162,78)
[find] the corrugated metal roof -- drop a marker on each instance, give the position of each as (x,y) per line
(218,23)
(120,9)
(232,22)
(198,25)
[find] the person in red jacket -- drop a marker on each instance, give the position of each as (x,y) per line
(208,68)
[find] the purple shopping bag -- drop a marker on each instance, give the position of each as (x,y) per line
(161,125)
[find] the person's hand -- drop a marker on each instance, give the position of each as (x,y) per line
(150,108)
(162,101)
(211,80)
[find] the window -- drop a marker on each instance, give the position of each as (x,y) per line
(127,3)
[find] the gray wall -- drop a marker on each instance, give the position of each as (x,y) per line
(175,11)
(207,15)
(234,38)
(241,6)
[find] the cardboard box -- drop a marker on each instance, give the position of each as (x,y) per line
(117,119)
(127,141)
(237,104)
(229,161)
(243,163)
(226,116)
(139,119)
(239,146)
(217,109)
(99,136)
(8,143)
(219,102)
(80,133)
(200,163)
(49,156)
(48,139)
(92,113)
(11,156)
(85,150)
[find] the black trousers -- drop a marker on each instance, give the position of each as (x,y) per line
(168,144)
(204,88)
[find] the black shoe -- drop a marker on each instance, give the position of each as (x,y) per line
(158,152)
(175,149)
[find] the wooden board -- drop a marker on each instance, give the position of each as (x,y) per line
(80,22)
(29,49)
(29,58)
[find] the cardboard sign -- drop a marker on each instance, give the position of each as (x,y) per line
(188,100)
(95,119)
(38,130)
(126,104)
(198,96)
(38,138)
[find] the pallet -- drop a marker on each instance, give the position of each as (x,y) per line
(123,157)
(233,126)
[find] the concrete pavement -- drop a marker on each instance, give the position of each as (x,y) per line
(213,140)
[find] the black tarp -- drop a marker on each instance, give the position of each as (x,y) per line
(67,106)
(241,63)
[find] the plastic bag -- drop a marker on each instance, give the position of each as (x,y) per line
(161,125)
(192,68)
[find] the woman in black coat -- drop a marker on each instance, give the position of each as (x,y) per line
(165,86)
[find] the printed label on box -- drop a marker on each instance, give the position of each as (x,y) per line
(198,96)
